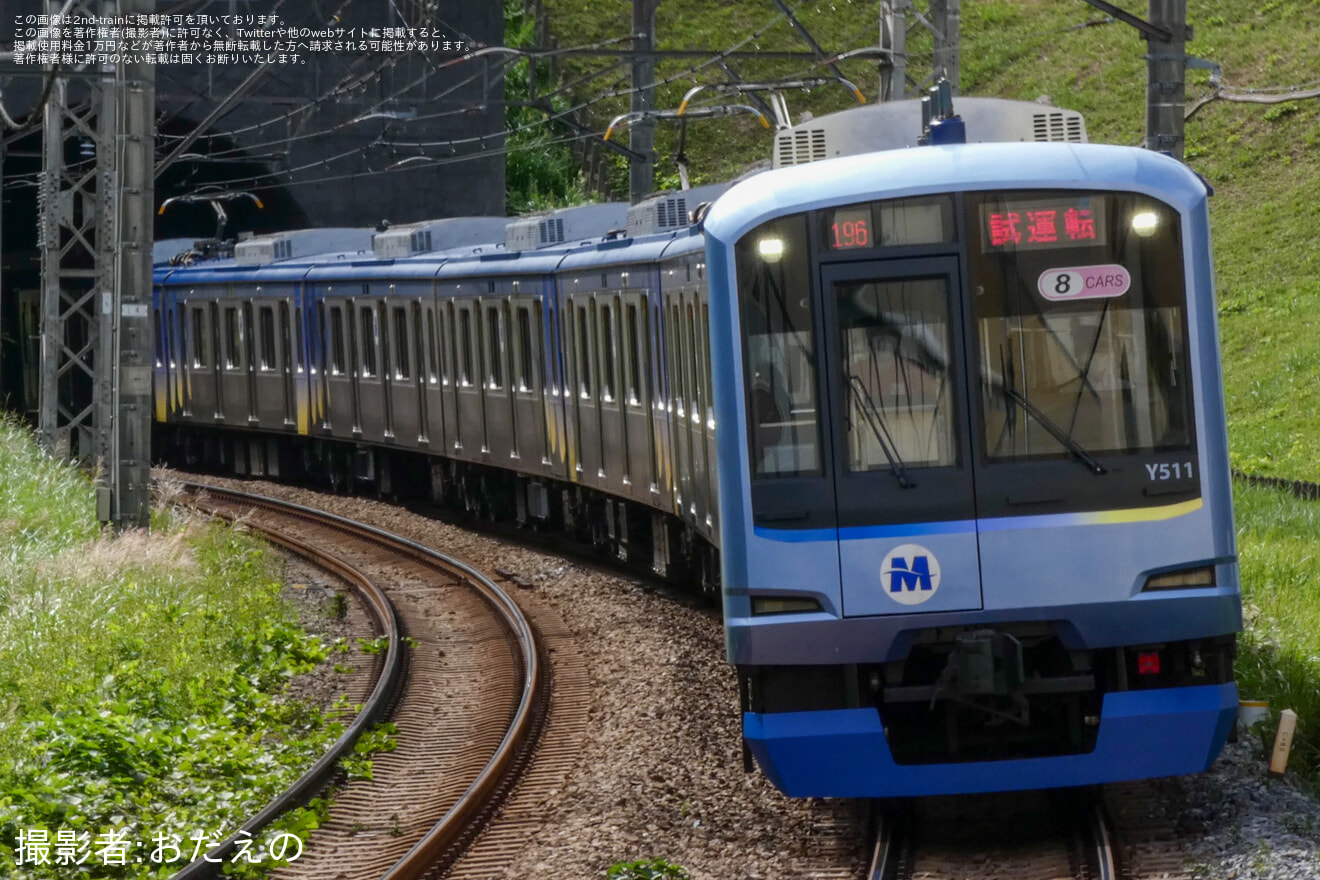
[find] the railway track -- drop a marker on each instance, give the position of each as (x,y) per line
(470,697)
(1024,836)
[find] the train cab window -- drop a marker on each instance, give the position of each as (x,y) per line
(607,352)
(495,350)
(895,343)
(233,339)
(635,342)
(367,323)
(779,349)
(201,351)
(1079,311)
(266,360)
(337,359)
(432,358)
(465,342)
(402,366)
(526,364)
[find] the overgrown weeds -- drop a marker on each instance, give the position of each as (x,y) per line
(139,681)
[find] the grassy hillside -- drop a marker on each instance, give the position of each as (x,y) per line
(1263,160)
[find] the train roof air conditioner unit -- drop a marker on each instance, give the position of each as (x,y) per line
(260,250)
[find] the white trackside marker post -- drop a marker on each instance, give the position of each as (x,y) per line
(1283,742)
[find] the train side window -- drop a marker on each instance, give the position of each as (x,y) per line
(320,330)
(233,339)
(337,359)
(402,367)
(526,378)
(538,365)
(448,352)
(705,345)
(677,351)
(419,345)
(692,365)
(465,340)
(367,319)
(495,361)
(183,339)
(266,359)
(298,338)
(201,357)
(583,353)
(213,334)
(634,342)
(645,358)
(286,340)
(160,338)
(432,358)
(607,352)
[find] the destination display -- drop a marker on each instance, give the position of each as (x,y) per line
(1037,224)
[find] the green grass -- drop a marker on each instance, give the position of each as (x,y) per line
(1279,652)
(139,677)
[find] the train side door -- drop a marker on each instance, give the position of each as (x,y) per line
(903,477)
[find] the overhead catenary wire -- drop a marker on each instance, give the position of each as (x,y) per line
(451,145)
(480,140)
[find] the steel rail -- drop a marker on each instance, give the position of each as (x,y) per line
(381,695)
(1102,840)
(456,823)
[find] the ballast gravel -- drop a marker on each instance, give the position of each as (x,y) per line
(660,774)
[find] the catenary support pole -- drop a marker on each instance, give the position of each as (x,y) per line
(1166,73)
(641,136)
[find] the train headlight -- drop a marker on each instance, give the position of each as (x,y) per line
(1144,223)
(1186,579)
(783,605)
(770,249)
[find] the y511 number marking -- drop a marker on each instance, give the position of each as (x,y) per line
(1170,471)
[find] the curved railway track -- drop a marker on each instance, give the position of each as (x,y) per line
(1024,836)
(469,710)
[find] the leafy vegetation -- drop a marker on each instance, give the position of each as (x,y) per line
(647,869)
(140,713)
(1279,654)
(540,171)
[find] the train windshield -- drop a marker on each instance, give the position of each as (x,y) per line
(894,346)
(1078,310)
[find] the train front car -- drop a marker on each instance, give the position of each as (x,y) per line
(977,529)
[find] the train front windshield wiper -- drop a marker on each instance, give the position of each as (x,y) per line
(882,437)
(1055,431)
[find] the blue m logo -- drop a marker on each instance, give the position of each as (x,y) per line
(902,577)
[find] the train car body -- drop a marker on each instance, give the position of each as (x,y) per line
(978,531)
(945,426)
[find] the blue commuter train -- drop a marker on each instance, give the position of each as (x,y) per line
(968,502)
